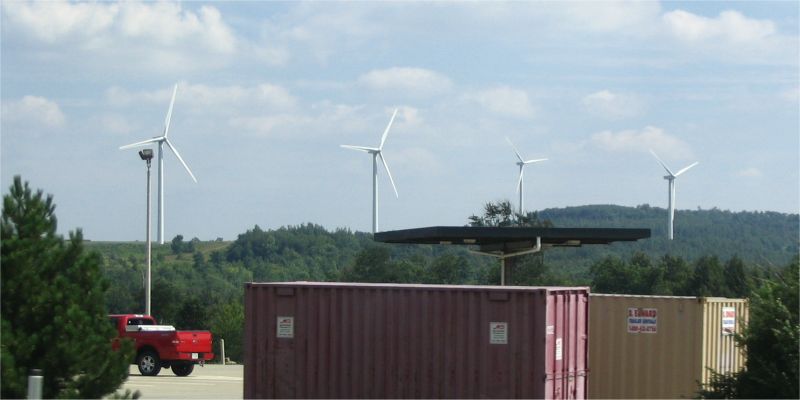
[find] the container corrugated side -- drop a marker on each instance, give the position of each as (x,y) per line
(668,362)
(660,364)
(418,341)
(722,318)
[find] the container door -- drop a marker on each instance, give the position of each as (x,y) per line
(566,340)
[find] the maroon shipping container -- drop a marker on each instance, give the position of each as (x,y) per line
(347,340)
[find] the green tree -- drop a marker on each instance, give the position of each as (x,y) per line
(676,273)
(53,306)
(770,340)
(227,322)
(370,265)
(374,264)
(737,278)
(614,275)
(522,270)
(449,269)
(501,214)
(708,278)
(177,244)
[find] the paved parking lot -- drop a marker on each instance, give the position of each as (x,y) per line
(210,382)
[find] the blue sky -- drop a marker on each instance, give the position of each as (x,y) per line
(268,91)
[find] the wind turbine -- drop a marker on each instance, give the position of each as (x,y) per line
(522,163)
(671,178)
(161,140)
(376,153)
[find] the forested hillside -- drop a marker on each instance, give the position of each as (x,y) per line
(759,238)
(198,285)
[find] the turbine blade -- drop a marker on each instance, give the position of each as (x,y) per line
(142,143)
(661,162)
(686,169)
(515,150)
(390,174)
(534,161)
(359,148)
(386,132)
(175,151)
(169,112)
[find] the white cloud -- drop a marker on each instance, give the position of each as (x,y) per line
(641,141)
(410,115)
(413,80)
(167,24)
(269,55)
(729,26)
(792,94)
(159,36)
(751,172)
(269,125)
(161,23)
(53,21)
(205,95)
(113,123)
(415,159)
(611,105)
(626,17)
(504,100)
(34,110)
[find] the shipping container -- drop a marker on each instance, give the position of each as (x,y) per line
(659,346)
(348,340)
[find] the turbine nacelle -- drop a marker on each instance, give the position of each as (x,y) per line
(671,192)
(161,140)
(521,163)
(377,152)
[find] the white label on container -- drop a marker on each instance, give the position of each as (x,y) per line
(642,320)
(551,330)
(286,327)
(728,320)
(558,349)
(498,332)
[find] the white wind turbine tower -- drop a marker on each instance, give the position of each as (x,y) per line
(522,163)
(161,140)
(376,152)
(671,178)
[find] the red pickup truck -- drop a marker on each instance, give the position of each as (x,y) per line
(161,346)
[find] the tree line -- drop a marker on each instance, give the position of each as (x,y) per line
(199,285)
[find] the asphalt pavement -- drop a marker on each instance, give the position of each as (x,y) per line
(212,381)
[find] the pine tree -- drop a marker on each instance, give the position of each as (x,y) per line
(53,306)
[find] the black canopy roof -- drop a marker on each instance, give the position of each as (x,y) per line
(509,239)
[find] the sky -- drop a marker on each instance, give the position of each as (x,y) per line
(268,91)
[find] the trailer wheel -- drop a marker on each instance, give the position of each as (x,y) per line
(148,362)
(182,369)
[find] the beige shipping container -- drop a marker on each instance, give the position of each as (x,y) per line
(660,346)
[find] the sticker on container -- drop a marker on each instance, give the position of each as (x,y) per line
(728,320)
(286,327)
(642,320)
(498,332)
(551,330)
(558,349)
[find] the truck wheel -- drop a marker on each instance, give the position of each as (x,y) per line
(182,369)
(148,362)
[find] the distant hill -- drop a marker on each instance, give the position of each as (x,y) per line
(197,285)
(759,238)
